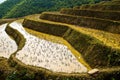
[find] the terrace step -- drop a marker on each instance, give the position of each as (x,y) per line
(90,22)
(33,45)
(7,45)
(18,37)
(104,34)
(90,42)
(100,7)
(112,15)
(114,2)
(105,5)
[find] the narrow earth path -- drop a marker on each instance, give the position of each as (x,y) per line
(7,45)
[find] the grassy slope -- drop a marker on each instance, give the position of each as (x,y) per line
(7,6)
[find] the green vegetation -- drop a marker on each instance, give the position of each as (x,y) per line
(7,6)
(19,8)
(5,69)
(20,75)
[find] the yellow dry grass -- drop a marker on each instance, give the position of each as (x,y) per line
(35,16)
(108,39)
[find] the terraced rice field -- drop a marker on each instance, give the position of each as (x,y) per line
(46,54)
(7,45)
(52,45)
(109,39)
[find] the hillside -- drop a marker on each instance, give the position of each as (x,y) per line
(7,6)
(16,8)
(79,43)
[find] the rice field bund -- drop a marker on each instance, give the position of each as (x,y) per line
(46,54)
(7,45)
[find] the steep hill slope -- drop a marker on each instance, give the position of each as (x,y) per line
(7,6)
(16,8)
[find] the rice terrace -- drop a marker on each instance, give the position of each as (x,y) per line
(77,42)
